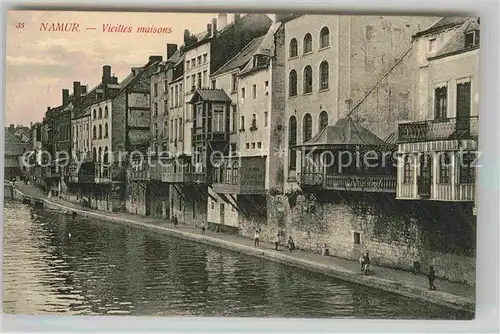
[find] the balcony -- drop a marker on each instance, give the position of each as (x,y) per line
(102,174)
(177,175)
(465,192)
(200,135)
(140,173)
(244,176)
(440,129)
(364,183)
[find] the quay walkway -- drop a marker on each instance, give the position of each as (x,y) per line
(451,294)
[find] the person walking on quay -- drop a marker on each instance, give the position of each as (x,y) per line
(175,221)
(203,227)
(276,241)
(432,277)
(256,239)
(291,244)
(366,263)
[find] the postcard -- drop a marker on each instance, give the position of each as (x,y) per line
(240,165)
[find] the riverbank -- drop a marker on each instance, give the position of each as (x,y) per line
(450,294)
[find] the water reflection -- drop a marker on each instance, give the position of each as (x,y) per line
(54,263)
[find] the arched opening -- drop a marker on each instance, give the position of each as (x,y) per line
(292,83)
(293,51)
(324,38)
(308,80)
(307,127)
(307,43)
(323,120)
(292,141)
(323,75)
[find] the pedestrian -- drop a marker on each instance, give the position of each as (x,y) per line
(276,241)
(432,277)
(291,244)
(366,263)
(175,221)
(203,227)
(256,239)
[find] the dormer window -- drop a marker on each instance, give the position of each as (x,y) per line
(471,38)
(432,45)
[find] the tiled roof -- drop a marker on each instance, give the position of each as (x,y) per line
(344,132)
(216,95)
(457,40)
(443,23)
(242,58)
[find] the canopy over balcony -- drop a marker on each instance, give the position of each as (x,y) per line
(212,95)
(344,134)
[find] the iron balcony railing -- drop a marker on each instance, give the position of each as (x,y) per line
(368,183)
(439,129)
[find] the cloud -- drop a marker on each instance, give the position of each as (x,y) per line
(27,61)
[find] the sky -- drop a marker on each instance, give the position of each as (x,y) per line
(39,64)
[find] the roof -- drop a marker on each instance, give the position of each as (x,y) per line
(456,42)
(242,58)
(344,133)
(442,24)
(215,95)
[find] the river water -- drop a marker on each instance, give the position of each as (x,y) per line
(54,264)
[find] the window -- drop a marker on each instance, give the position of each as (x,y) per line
(472,38)
(193,62)
(254,122)
(467,168)
(106,112)
(444,168)
(292,141)
(176,96)
(432,45)
(181,128)
(234,118)
(205,58)
(106,132)
(242,123)
(204,78)
(259,145)
(193,82)
(292,83)
(266,87)
(214,84)
(324,38)
(407,177)
(165,87)
(198,60)
(199,80)
(265,118)
(234,83)
(94,154)
(176,122)
(218,120)
(171,96)
(165,105)
(94,114)
(357,238)
(100,131)
(165,128)
(243,93)
(155,109)
(293,51)
(188,63)
(181,99)
(307,43)
(441,102)
(307,127)
(323,120)
(308,80)
(156,88)
(155,129)
(254,91)
(100,112)
(247,145)
(253,145)
(171,130)
(323,71)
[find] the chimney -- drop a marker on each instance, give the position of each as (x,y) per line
(31,124)
(48,108)
(65,96)
(214,27)
(11,126)
(83,90)
(209,28)
(76,90)
(171,49)
(106,71)
(222,21)
(135,70)
(237,17)
(153,59)
(186,35)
